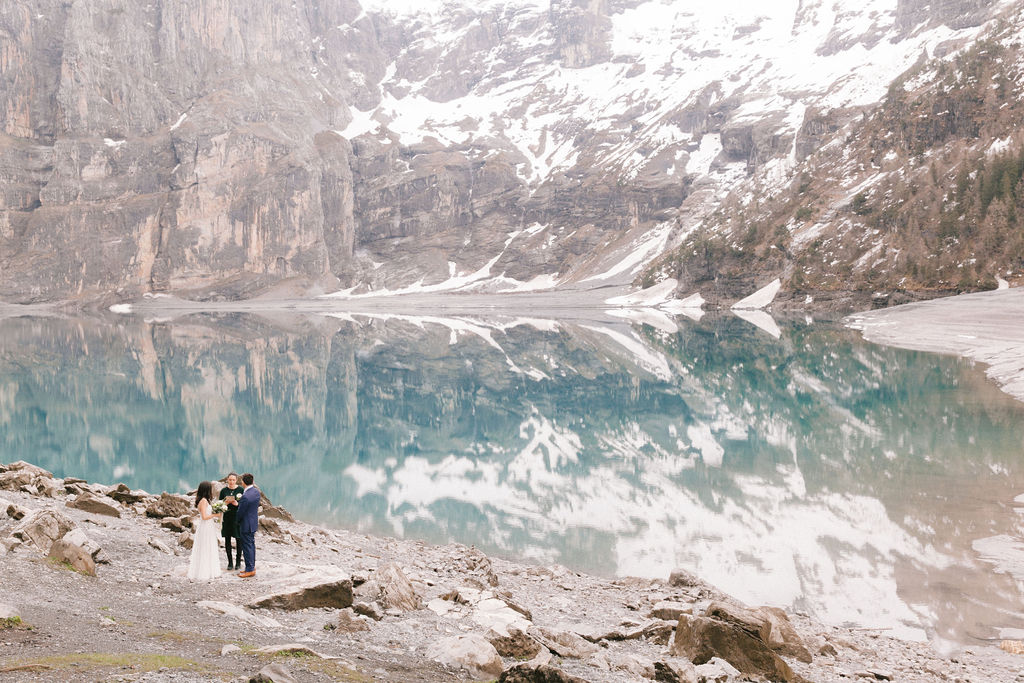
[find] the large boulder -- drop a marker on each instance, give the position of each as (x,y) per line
(675,671)
(349,622)
(90,502)
(700,639)
(78,537)
(564,643)
(515,644)
(273,673)
(755,623)
(783,637)
(670,610)
(170,505)
(42,528)
(534,673)
(313,591)
(75,556)
(392,589)
(13,481)
(471,652)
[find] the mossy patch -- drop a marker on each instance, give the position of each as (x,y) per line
(103,660)
(11,622)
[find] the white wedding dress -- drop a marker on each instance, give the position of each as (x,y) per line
(205,561)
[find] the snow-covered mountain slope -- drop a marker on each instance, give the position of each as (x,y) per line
(918,197)
(654,108)
(494,145)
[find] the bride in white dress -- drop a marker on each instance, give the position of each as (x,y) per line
(205,561)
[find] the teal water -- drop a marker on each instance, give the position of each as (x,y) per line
(864,485)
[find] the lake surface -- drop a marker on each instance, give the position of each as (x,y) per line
(865,485)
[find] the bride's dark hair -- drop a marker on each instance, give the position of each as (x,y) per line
(205,490)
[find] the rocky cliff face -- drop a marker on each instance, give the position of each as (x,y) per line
(215,150)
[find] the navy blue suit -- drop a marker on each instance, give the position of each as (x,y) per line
(248,522)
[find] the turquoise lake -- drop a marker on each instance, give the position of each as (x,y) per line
(864,485)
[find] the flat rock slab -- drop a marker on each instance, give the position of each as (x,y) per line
(90,502)
(239,613)
(471,652)
(334,592)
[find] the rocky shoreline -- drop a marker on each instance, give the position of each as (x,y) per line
(93,588)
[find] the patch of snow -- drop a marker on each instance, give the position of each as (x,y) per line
(181,120)
(650,297)
(760,298)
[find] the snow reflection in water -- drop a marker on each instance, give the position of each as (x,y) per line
(864,485)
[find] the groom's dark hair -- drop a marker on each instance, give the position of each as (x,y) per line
(247,479)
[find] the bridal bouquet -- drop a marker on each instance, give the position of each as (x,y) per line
(219,506)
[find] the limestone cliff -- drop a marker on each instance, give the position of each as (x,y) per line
(217,150)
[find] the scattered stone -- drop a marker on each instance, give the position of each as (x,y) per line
(124,495)
(675,671)
(48,486)
(271,528)
(170,505)
(699,639)
(14,511)
(633,664)
(273,673)
(33,470)
(533,673)
(829,650)
(782,637)
(236,612)
(471,652)
(494,614)
(658,632)
(717,671)
(42,528)
(160,545)
(513,603)
(349,622)
(874,675)
(680,578)
(394,591)
(313,591)
(90,502)
(185,539)
(173,524)
(669,610)
(368,609)
(516,644)
(268,511)
(564,643)
(74,555)
(1014,647)
(476,561)
(229,649)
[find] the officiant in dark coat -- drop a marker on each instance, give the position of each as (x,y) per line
(231,494)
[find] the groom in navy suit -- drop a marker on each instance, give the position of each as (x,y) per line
(248,522)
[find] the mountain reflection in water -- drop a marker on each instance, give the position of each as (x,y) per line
(809,470)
